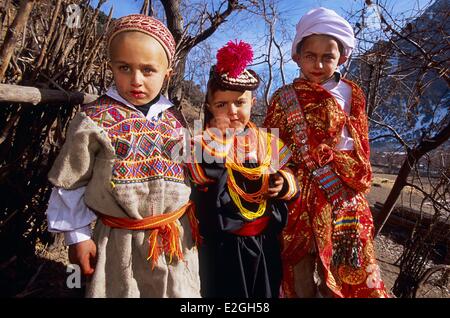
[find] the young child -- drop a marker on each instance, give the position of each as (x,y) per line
(322,118)
(116,165)
(242,185)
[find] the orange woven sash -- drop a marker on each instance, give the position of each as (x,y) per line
(165,234)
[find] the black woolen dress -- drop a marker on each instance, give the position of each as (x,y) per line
(233,265)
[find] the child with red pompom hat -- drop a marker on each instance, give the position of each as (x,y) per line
(241,186)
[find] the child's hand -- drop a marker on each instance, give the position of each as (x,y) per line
(276,182)
(85,255)
(220,123)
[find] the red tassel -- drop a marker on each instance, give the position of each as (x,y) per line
(154,249)
(169,237)
(233,58)
(196,237)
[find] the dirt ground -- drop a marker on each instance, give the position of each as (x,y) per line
(388,251)
(381,186)
(389,245)
(51,275)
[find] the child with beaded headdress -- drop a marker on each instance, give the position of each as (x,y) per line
(322,118)
(242,185)
(116,166)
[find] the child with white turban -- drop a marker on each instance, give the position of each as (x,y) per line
(321,116)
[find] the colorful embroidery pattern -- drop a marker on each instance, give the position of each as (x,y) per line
(143,148)
(337,173)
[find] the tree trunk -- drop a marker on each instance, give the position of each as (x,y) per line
(147,8)
(412,158)
(185,43)
(19,23)
(397,188)
(176,88)
(174,18)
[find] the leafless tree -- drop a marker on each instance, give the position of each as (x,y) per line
(403,67)
(204,20)
(270,55)
(273,56)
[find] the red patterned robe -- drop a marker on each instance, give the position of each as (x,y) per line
(310,223)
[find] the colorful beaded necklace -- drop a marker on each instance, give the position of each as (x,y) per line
(232,165)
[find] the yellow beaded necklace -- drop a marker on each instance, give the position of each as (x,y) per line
(232,165)
(259,172)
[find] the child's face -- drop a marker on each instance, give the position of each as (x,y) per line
(319,57)
(139,65)
(232,106)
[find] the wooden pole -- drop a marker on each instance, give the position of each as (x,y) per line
(19,23)
(48,37)
(32,95)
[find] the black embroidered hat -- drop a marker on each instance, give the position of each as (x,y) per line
(230,72)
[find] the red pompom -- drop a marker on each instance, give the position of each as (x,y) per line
(233,58)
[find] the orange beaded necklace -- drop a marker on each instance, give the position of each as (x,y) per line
(242,145)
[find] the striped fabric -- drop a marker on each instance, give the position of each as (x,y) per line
(325,177)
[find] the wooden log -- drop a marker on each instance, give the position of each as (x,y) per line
(33,95)
(16,27)
(48,37)
(407,219)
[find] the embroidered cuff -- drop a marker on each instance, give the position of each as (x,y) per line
(290,188)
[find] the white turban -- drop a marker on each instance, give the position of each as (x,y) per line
(328,22)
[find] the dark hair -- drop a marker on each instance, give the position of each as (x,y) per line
(339,43)
(211,88)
